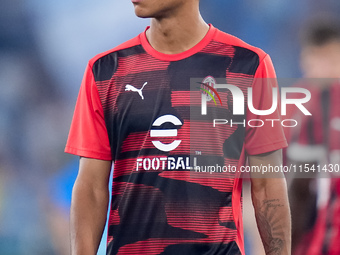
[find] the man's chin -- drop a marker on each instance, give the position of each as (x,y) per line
(142,13)
(143,16)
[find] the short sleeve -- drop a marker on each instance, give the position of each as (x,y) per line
(88,135)
(270,136)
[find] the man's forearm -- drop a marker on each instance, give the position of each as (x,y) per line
(88,216)
(273,215)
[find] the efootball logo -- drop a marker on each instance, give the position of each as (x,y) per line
(165,132)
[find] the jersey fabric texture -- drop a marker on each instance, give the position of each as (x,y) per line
(133,93)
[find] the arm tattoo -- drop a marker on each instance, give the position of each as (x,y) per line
(270,227)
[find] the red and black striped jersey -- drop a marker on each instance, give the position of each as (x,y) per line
(322,130)
(134,107)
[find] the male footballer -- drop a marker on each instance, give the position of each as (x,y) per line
(134,109)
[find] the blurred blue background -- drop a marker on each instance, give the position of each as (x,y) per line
(44,48)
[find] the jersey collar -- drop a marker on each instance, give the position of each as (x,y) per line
(175,57)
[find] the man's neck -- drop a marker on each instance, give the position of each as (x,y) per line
(177,33)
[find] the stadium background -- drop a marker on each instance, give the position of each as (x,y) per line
(44,48)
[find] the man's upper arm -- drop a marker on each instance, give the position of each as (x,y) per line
(94,172)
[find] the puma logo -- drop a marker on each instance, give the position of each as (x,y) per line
(133,89)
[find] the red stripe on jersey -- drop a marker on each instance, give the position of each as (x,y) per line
(146,63)
(108,93)
(226,214)
(185,98)
(194,98)
(221,181)
(219,48)
(114,217)
(124,167)
(182,216)
(243,81)
(137,140)
(208,139)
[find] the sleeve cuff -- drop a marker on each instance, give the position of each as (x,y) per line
(88,153)
(267,148)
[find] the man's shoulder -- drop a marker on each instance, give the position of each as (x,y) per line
(126,45)
(232,40)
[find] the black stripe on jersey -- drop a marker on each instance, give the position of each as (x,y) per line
(176,191)
(196,249)
(135,50)
(245,61)
(104,68)
(138,153)
(202,248)
(198,65)
(232,147)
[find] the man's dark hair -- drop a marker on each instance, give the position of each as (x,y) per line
(321,31)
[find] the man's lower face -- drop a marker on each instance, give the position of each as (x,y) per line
(155,8)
